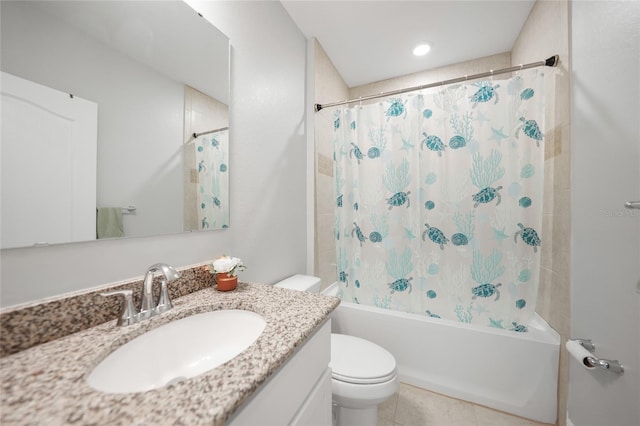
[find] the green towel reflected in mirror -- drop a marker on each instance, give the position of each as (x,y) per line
(109,222)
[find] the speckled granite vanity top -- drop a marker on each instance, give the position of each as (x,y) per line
(46,384)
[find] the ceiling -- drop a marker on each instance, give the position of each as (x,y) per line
(370,41)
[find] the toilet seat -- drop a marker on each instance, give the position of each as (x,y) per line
(359,361)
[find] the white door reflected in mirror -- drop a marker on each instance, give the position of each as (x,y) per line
(49,142)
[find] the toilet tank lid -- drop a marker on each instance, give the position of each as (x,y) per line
(301,282)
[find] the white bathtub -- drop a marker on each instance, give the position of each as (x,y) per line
(512,372)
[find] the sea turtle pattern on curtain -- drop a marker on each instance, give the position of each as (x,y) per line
(439,201)
(212,160)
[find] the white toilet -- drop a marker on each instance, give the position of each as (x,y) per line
(363,373)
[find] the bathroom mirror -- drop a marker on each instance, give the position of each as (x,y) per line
(147,76)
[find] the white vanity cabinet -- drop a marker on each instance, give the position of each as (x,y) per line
(299,392)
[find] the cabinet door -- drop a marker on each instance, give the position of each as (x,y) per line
(316,411)
(285,396)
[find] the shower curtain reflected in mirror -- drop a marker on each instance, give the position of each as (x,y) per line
(439,201)
(212,162)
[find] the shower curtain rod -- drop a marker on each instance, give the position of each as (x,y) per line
(197,135)
(549,62)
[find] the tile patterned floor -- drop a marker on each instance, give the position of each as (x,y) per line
(412,406)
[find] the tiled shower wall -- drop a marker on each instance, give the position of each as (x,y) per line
(201,114)
(546,33)
(329,87)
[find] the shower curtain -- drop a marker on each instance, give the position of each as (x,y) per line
(212,161)
(439,201)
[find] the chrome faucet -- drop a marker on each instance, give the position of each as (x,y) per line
(148,308)
(128,314)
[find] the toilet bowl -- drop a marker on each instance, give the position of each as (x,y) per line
(363,373)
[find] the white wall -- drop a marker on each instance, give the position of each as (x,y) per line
(605,252)
(267,166)
(140,113)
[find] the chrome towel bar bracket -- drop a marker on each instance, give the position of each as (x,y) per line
(591,361)
(607,364)
(632,204)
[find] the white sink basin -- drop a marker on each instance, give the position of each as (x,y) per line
(176,351)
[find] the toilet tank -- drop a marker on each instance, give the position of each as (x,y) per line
(301,282)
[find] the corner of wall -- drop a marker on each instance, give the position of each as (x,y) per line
(328,86)
(546,33)
(310,88)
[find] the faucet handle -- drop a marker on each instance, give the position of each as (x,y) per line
(164,302)
(128,314)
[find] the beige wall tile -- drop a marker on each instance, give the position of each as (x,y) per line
(327,273)
(543,305)
(502,60)
(562,163)
(329,87)
(326,232)
(548,195)
(546,33)
(325,165)
(325,198)
(324,133)
(329,83)
(546,250)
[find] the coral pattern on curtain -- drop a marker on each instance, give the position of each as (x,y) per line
(212,159)
(439,201)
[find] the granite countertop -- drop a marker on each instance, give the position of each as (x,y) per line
(46,384)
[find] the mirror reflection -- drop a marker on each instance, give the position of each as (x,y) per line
(114,121)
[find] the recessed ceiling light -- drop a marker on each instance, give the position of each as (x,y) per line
(421,49)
